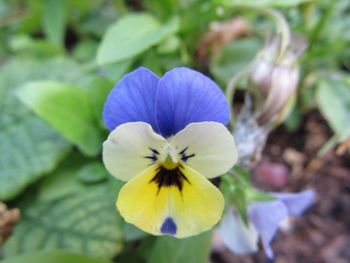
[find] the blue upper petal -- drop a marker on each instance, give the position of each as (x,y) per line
(266,218)
(132,99)
(297,203)
(169,104)
(185,96)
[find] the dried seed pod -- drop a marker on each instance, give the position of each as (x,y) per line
(275,75)
(8,219)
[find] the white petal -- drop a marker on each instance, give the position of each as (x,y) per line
(126,149)
(238,237)
(211,144)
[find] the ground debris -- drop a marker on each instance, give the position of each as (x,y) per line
(8,219)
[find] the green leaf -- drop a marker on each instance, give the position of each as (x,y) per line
(242,176)
(238,198)
(97,17)
(169,45)
(83,50)
(59,184)
(333,97)
(255,195)
(92,173)
(152,61)
(29,46)
(131,35)
(116,70)
(54,20)
(53,257)
(29,147)
(85,222)
(132,233)
(98,91)
(235,188)
(66,108)
(233,58)
(64,180)
(190,250)
(4,8)
(164,8)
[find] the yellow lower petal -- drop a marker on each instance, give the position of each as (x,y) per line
(184,212)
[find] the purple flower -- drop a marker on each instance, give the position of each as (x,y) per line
(264,220)
(168,137)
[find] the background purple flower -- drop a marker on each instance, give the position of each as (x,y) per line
(264,220)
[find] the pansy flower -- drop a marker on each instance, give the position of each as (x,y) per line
(264,220)
(168,137)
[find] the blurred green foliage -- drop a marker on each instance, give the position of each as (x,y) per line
(59,60)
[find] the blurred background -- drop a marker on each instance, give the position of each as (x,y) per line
(59,60)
